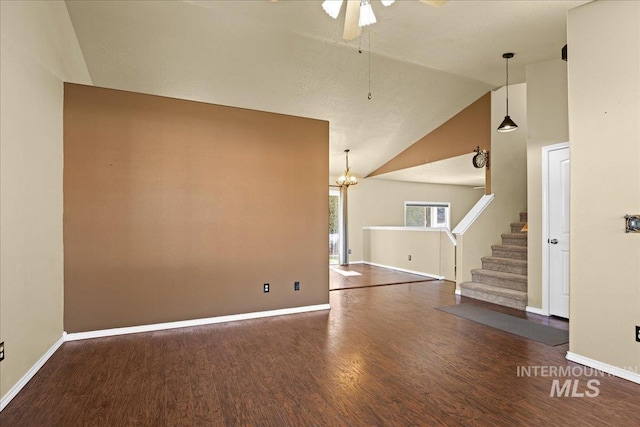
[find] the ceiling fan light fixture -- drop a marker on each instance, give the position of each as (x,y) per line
(387,2)
(507,124)
(332,7)
(366,14)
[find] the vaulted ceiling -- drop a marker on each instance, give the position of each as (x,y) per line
(426,63)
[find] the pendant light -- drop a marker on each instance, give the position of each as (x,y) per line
(507,124)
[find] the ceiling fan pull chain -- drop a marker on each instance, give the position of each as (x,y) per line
(369,31)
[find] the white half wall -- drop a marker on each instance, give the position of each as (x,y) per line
(378,202)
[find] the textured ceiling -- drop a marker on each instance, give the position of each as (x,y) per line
(456,170)
(289,57)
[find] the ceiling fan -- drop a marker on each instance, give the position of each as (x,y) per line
(359,13)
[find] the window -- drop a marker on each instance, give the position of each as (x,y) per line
(426,214)
(334,221)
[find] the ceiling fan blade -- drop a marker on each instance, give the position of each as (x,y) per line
(436,3)
(351,27)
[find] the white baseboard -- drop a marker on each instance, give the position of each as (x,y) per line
(536,310)
(30,373)
(604,367)
(458,292)
(189,323)
(419,273)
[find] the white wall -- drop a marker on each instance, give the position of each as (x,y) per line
(604,128)
(39,51)
(381,202)
(547,124)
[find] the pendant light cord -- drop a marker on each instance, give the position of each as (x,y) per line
(369,31)
(507,86)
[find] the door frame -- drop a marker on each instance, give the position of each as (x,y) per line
(545,223)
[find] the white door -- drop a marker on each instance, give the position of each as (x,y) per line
(558,239)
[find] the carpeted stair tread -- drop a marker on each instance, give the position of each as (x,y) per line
(495,295)
(509,276)
(511,261)
(516,227)
(507,265)
(503,277)
(504,292)
(522,236)
(514,281)
(515,239)
(509,251)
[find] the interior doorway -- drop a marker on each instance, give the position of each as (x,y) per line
(555,222)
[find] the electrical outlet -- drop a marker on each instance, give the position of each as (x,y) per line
(349,251)
(296,286)
(1,351)
(265,288)
(638,333)
(409,257)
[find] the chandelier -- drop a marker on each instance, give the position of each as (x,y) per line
(346,179)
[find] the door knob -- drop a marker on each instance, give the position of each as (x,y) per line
(553,241)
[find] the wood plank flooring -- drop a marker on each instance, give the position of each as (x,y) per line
(370,276)
(382,356)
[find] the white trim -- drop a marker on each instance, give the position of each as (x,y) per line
(536,310)
(458,292)
(350,262)
(419,273)
(30,373)
(451,237)
(473,214)
(604,367)
(401,228)
(189,323)
(545,221)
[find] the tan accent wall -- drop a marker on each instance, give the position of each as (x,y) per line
(547,124)
(39,50)
(459,135)
(178,210)
(604,126)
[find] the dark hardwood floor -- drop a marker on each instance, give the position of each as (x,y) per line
(370,276)
(382,356)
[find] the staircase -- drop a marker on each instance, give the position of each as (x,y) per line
(503,277)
